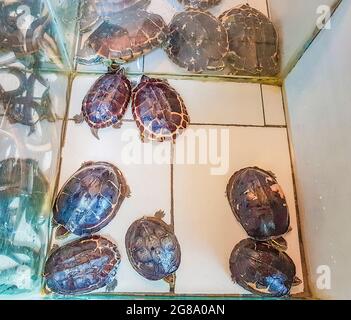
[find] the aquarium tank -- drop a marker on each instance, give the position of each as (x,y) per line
(174,149)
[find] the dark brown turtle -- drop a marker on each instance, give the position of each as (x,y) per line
(258,203)
(197,41)
(253,42)
(200,4)
(159,111)
(93,11)
(106,102)
(90,199)
(82,266)
(127,38)
(153,249)
(262,268)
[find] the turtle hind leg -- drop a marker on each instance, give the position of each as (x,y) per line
(110,287)
(78,118)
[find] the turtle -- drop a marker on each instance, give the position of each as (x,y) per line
(26,110)
(153,249)
(23,195)
(82,266)
(197,41)
(24,205)
(158,109)
(106,102)
(89,199)
(200,4)
(94,11)
(263,268)
(253,42)
(127,38)
(258,203)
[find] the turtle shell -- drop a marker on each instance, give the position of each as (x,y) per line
(152,248)
(82,266)
(128,37)
(107,100)
(258,203)
(200,4)
(253,42)
(159,111)
(23,192)
(197,41)
(262,268)
(90,198)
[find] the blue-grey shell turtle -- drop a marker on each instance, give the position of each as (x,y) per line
(153,249)
(82,266)
(258,203)
(90,199)
(263,268)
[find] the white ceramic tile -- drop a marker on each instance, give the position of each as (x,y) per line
(149,183)
(273,105)
(221,102)
(204,222)
(81,85)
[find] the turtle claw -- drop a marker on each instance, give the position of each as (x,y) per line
(95,133)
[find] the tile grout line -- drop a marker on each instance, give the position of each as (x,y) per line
(268,9)
(263,106)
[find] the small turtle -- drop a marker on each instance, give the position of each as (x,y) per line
(197,41)
(253,42)
(82,266)
(262,268)
(90,199)
(106,102)
(159,111)
(258,203)
(26,110)
(153,249)
(127,38)
(200,4)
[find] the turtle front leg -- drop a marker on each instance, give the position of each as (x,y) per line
(110,287)
(31,130)
(78,118)
(117,125)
